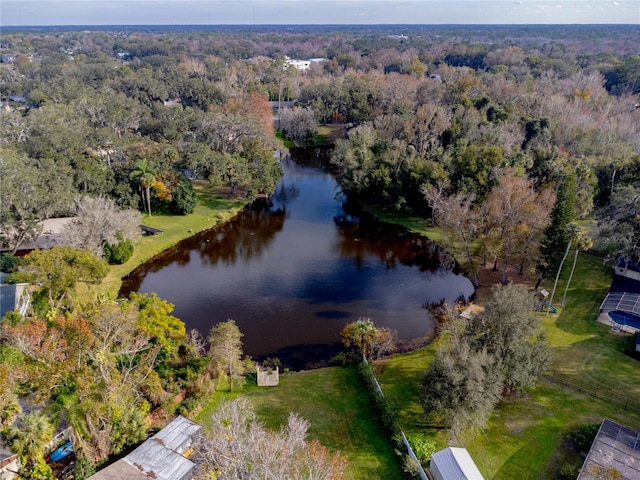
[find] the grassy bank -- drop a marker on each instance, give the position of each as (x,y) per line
(341,417)
(527,437)
(213,208)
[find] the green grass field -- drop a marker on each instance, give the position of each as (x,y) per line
(527,437)
(341,418)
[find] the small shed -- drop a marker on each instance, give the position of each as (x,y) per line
(268,377)
(454,463)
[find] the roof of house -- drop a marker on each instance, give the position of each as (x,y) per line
(160,457)
(628,264)
(614,446)
(455,463)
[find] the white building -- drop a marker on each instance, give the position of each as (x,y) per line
(454,463)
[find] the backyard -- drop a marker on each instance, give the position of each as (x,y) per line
(527,437)
(337,407)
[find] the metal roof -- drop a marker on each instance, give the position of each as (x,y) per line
(160,457)
(456,464)
(177,434)
(156,461)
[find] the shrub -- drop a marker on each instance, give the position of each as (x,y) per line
(569,471)
(345,358)
(584,436)
(422,447)
(119,253)
(8,263)
(388,413)
(184,197)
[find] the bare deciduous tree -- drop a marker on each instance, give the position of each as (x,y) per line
(238,446)
(298,123)
(99,221)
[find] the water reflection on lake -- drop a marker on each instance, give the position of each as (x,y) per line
(294,272)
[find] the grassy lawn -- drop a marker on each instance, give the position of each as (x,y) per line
(527,437)
(337,407)
(212,209)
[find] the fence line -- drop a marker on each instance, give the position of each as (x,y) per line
(603,393)
(410,452)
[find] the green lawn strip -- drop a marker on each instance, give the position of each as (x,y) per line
(340,414)
(211,210)
(584,348)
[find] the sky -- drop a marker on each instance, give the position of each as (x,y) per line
(307,12)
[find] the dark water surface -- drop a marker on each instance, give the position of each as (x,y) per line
(293,273)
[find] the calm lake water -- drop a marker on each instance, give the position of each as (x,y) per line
(294,272)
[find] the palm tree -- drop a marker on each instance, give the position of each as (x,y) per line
(573,231)
(584,244)
(29,436)
(145,173)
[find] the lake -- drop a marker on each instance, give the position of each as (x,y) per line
(293,271)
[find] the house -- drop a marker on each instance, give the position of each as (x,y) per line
(615,448)
(628,268)
(454,463)
(301,65)
(13,296)
(162,457)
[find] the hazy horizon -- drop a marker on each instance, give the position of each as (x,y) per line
(35,13)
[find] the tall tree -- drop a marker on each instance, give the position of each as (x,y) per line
(361,334)
(619,224)
(516,213)
(500,352)
(225,349)
(22,187)
(463,222)
(557,235)
(145,174)
(508,331)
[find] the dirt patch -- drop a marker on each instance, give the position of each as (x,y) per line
(488,278)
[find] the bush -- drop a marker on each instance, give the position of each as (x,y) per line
(584,436)
(389,414)
(422,447)
(184,197)
(83,468)
(345,358)
(119,253)
(187,405)
(569,471)
(8,263)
